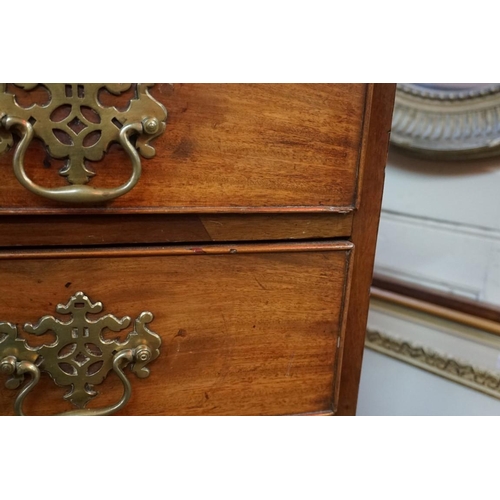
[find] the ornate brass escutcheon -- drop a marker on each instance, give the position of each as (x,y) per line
(79,358)
(74,125)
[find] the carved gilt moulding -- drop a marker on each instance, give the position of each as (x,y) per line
(445,366)
(447,124)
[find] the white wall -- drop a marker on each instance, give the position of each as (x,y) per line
(391,387)
(440,225)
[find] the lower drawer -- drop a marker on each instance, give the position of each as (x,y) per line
(245,329)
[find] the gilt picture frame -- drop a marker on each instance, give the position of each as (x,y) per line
(447,121)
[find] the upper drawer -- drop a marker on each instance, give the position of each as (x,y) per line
(225,148)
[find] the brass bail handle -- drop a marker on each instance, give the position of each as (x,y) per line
(76,126)
(10,366)
(77,193)
(80,357)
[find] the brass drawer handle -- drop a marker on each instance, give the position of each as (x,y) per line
(79,358)
(10,366)
(77,193)
(66,137)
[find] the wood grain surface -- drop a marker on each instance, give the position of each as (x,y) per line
(246,330)
(227,148)
(64,230)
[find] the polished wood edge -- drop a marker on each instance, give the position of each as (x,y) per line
(174,210)
(444,366)
(363,145)
(337,368)
(323,413)
(375,148)
(448,301)
(82,253)
(435,310)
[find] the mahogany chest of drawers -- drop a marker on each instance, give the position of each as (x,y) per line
(234,262)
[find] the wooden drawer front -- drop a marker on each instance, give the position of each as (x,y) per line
(247,329)
(91,230)
(226,148)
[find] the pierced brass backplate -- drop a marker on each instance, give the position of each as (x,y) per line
(79,358)
(76,126)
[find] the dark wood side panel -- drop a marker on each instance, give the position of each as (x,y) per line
(364,236)
(246,330)
(270,147)
(79,230)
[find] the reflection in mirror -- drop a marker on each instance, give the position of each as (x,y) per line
(440,223)
(435,305)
